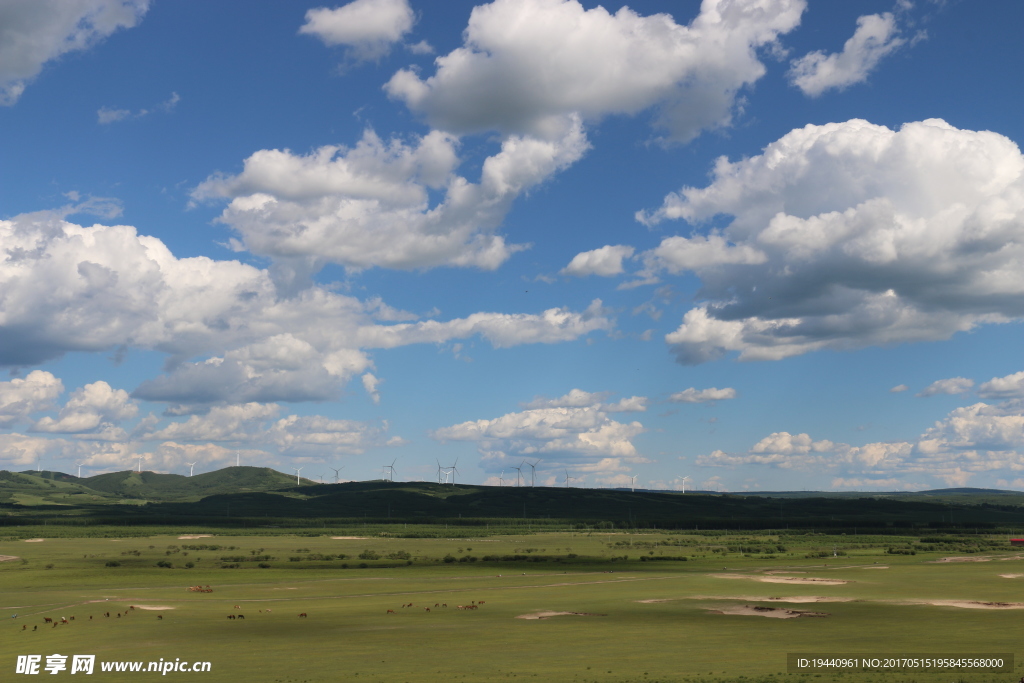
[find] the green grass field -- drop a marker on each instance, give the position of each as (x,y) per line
(348,634)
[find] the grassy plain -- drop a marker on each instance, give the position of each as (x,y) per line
(619,637)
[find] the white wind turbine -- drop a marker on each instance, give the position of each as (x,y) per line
(337,473)
(238,459)
(632,483)
(297,470)
(141,457)
(390,475)
(519,472)
(501,479)
(455,470)
(191,467)
(685,479)
(79,469)
(567,479)
(533,472)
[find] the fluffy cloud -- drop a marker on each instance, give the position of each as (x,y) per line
(573,432)
(525,64)
(605,261)
(1011,386)
(369,205)
(693,395)
(106,115)
(876,37)
(34,32)
(72,288)
(899,388)
(370,384)
(577,398)
(221,423)
(970,440)
(367,27)
(869,236)
(953,385)
(21,397)
(93,407)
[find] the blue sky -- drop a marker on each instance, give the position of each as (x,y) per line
(760,244)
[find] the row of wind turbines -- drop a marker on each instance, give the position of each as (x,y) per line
(388,473)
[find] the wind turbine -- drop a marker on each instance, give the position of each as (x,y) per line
(141,457)
(533,472)
(297,470)
(439,471)
(632,483)
(238,459)
(684,484)
(391,475)
(501,479)
(79,469)
(519,472)
(321,478)
(337,476)
(191,467)
(455,470)
(567,479)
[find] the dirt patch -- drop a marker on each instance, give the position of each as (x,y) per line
(350,538)
(968,604)
(153,607)
(771,612)
(1005,576)
(961,559)
(8,558)
(796,599)
(875,566)
(784,579)
(648,602)
(192,537)
(548,615)
(782,571)
(34,540)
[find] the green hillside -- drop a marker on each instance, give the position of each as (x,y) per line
(175,487)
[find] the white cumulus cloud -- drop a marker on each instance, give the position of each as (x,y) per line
(367,27)
(1010,386)
(953,385)
(19,397)
(693,395)
(605,261)
(877,36)
(34,32)
(527,63)
(850,235)
(92,407)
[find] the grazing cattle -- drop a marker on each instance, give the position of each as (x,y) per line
(55,624)
(303,615)
(268,610)
(237,607)
(427,608)
(436,605)
(241,616)
(118,615)
(47,620)
(90,617)
(72,618)
(24,627)
(63,620)
(106,614)
(231,616)
(160,617)
(131,607)
(391,611)
(480,603)
(35,627)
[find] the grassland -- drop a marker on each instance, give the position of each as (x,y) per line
(650,620)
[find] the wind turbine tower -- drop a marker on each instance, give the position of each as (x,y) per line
(533,472)
(501,479)
(191,467)
(519,472)
(455,470)
(388,473)
(337,474)
(684,483)
(79,469)
(632,483)
(567,479)
(141,457)
(297,470)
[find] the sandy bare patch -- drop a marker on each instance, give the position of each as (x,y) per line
(782,571)
(34,540)
(285,589)
(968,604)
(1005,576)
(548,615)
(153,607)
(765,598)
(192,537)
(648,602)
(771,612)
(962,559)
(784,579)
(350,538)
(8,558)
(875,566)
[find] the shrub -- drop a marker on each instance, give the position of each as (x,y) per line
(49,566)
(368,555)
(264,565)
(449,558)
(189,565)
(165,564)
(113,563)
